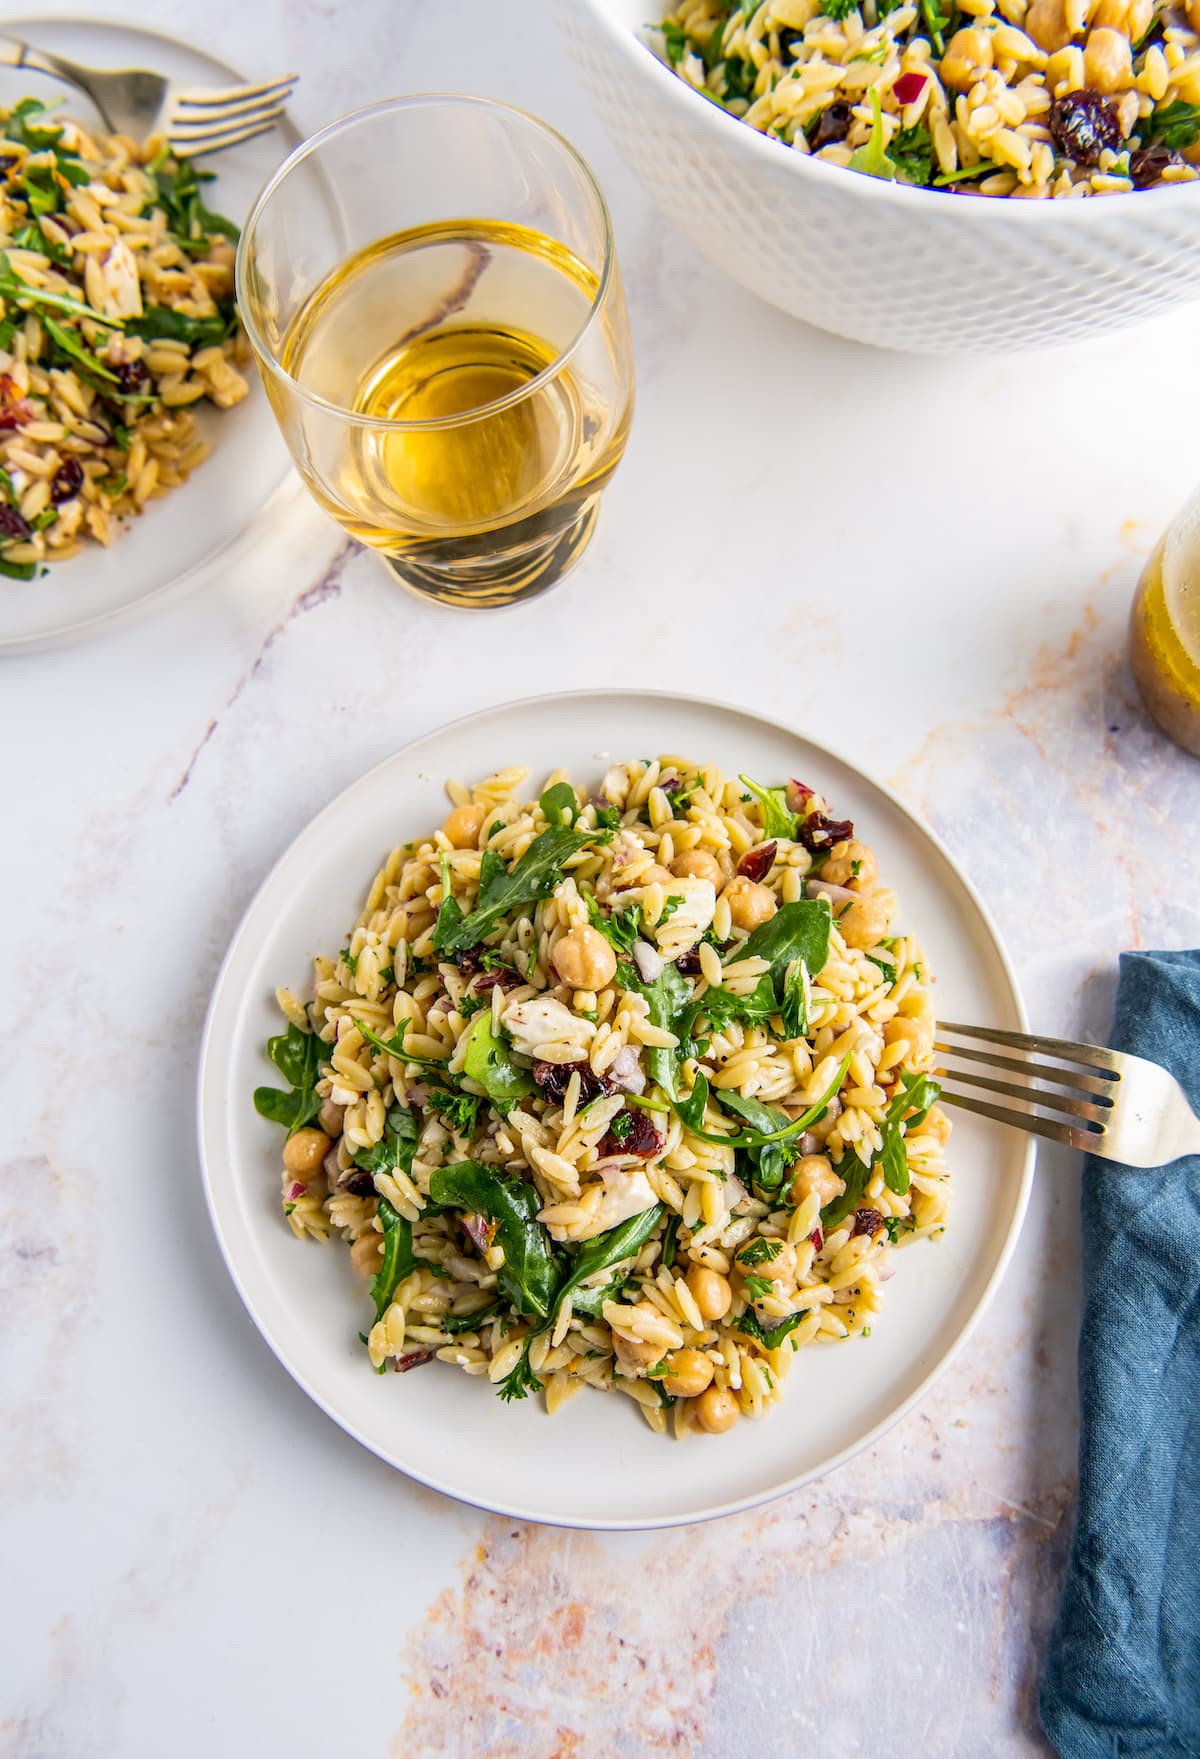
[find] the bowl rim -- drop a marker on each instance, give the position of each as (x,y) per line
(676,91)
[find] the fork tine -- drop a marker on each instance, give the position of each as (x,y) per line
(1103,1084)
(1029,1122)
(1092,1056)
(183,117)
(190,147)
(195,129)
(203,97)
(1053,1102)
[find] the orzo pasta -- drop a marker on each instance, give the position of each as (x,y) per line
(116,317)
(628,1091)
(1027,98)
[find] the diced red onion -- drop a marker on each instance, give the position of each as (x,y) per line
(817,1238)
(798,795)
(296,1191)
(814,888)
(415,1359)
(648,961)
(908,88)
(476,1229)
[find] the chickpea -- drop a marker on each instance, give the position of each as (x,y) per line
(915,1034)
(1046,23)
(584,959)
(749,904)
(1193,14)
(655,874)
(710,1291)
(814,1172)
(633,1353)
(463,826)
(701,863)
(780,1269)
(690,1371)
(851,864)
(938,1124)
(366,1254)
(716,1410)
(968,57)
(1107,60)
(864,922)
(304,1152)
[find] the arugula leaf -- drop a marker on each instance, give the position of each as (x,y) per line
(1176,124)
(22,295)
(934,22)
(917,1094)
(521,1380)
(778,819)
(502,889)
(70,342)
(399,1260)
(665,998)
(26,571)
(460,1110)
(396,1148)
(670,1237)
(984,168)
(159,323)
(766,1165)
(675,41)
(298,1057)
(529,1276)
(601,1253)
(450,911)
(178,194)
(621,925)
(394,1046)
(856,1173)
(796,932)
(912,154)
(692,1109)
(889,971)
(769,1336)
(488,1061)
(559,804)
(24,127)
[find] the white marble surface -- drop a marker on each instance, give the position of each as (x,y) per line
(930,563)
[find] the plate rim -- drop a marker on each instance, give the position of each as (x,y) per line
(103,622)
(737,1505)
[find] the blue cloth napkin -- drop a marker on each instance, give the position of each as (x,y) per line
(1123,1671)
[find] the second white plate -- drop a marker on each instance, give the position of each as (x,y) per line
(175,539)
(595,1464)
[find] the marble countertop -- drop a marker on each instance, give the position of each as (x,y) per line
(931,562)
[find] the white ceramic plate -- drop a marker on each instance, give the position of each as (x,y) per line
(595,1464)
(176,538)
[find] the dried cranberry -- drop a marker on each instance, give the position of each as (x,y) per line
(469,960)
(833,125)
(417,1359)
(689,963)
(640,1135)
(131,374)
(67,480)
(357,1181)
(756,864)
(866,1221)
(1147,164)
(788,38)
(11,523)
(1083,123)
(819,833)
(553,1079)
(503,977)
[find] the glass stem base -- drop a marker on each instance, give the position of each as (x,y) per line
(503,577)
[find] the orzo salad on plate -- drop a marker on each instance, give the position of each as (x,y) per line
(625,1089)
(1026,98)
(116,318)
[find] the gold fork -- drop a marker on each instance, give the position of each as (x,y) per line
(1117,1106)
(136,102)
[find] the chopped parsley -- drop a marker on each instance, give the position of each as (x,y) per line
(621,1128)
(758,1287)
(760,1251)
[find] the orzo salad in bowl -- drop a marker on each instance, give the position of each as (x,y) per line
(117,318)
(624,1087)
(1026,98)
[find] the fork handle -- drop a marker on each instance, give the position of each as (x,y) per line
(15,53)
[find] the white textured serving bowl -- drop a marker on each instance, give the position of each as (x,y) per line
(903,268)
